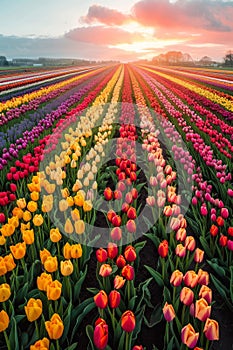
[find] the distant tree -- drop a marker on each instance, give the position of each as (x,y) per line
(205,61)
(228,59)
(3,61)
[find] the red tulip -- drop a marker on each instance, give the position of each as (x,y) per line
(105,270)
(101,255)
(101,299)
(116,220)
(128,272)
(128,321)
(230,231)
(163,249)
(2,218)
(108,194)
(100,334)
(223,241)
(112,250)
(214,230)
(121,262)
(131,213)
(114,299)
(220,221)
(110,215)
(130,253)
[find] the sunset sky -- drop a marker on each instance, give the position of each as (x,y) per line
(123,30)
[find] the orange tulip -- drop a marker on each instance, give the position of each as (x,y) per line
(203,277)
(43,280)
(28,236)
(42,344)
(5,292)
(211,329)
(55,235)
(128,272)
(18,212)
(27,216)
(4,321)
(9,262)
(32,206)
(18,250)
(54,327)
(33,309)
(188,336)
(44,254)
(67,251)
(53,290)
(76,251)
(51,264)
(198,255)
(38,220)
(180,250)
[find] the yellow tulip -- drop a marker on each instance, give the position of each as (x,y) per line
(66,267)
(43,281)
(38,220)
(42,344)
(51,264)
(69,229)
(55,235)
(79,227)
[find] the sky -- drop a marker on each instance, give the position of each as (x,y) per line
(123,30)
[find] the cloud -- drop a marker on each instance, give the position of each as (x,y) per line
(185,14)
(104,15)
(102,35)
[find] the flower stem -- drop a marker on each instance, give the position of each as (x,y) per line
(7,340)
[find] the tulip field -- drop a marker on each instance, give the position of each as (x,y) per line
(116,203)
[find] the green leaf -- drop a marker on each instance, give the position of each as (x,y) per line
(66,322)
(231,283)
(170,344)
(157,276)
(13,337)
(90,333)
(72,347)
(139,319)
(156,316)
(78,284)
(153,238)
(205,246)
(218,269)
(81,316)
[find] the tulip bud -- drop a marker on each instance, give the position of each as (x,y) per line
(163,249)
(203,277)
(42,344)
(220,221)
(116,220)
(118,282)
(190,243)
(43,280)
(114,299)
(206,293)
(180,250)
(214,230)
(168,312)
(128,321)
(224,213)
